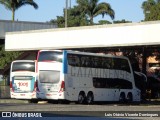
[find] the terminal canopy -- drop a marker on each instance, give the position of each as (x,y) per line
(128,34)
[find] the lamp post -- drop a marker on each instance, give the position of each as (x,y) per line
(66,13)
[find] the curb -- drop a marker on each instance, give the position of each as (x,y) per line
(13,101)
(19,101)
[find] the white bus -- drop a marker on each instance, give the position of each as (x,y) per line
(23,80)
(85,77)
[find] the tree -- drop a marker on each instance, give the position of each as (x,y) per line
(60,21)
(7,57)
(121,21)
(14,5)
(146,5)
(75,18)
(92,9)
(151,10)
(101,22)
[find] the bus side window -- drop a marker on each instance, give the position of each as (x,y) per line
(106,85)
(121,64)
(109,63)
(83,61)
(73,60)
(77,61)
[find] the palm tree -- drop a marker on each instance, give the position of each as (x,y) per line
(92,9)
(151,9)
(146,5)
(13,5)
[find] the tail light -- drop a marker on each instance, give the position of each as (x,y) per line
(62,86)
(11,87)
(36,86)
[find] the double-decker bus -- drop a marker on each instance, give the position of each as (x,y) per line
(85,77)
(23,80)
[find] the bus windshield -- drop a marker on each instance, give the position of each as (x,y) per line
(49,76)
(23,66)
(50,56)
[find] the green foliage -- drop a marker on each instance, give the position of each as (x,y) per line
(7,57)
(60,21)
(91,8)
(101,22)
(3,82)
(75,18)
(121,21)
(13,5)
(84,12)
(151,10)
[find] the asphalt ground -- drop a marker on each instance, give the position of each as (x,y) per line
(8,100)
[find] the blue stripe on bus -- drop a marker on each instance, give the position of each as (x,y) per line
(13,86)
(64,65)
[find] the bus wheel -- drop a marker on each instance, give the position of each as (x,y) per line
(129,97)
(81,97)
(90,98)
(122,98)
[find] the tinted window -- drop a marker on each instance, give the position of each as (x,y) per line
(90,61)
(23,66)
(49,76)
(98,62)
(111,83)
(50,56)
(121,64)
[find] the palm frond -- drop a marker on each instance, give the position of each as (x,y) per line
(6,4)
(104,8)
(16,4)
(93,8)
(146,5)
(26,2)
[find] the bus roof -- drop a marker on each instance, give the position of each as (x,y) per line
(24,61)
(88,53)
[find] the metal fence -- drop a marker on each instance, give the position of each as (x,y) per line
(4,89)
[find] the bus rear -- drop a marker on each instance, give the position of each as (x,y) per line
(51,78)
(23,80)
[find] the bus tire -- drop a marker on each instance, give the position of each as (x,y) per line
(81,98)
(122,97)
(129,97)
(90,98)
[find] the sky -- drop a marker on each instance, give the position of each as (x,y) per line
(129,10)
